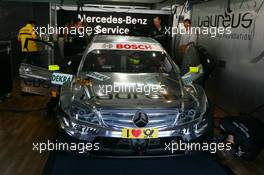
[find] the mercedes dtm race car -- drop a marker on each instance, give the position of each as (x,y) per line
(129,97)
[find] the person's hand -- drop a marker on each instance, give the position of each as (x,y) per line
(230,139)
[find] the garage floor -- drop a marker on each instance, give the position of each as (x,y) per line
(19,129)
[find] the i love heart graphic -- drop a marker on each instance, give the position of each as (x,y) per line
(136,132)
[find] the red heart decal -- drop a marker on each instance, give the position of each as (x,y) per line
(136,132)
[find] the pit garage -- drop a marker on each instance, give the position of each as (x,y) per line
(131,87)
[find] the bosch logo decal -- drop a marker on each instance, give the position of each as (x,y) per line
(134,46)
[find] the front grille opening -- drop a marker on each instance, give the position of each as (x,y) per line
(134,147)
(124,118)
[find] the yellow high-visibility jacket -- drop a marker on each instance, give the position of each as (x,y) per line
(24,33)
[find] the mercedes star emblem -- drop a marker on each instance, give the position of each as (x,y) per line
(140,119)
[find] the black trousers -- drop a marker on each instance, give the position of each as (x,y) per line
(248,134)
(32,58)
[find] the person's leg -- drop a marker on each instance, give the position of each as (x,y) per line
(35,58)
(27,57)
(52,105)
(23,58)
(32,58)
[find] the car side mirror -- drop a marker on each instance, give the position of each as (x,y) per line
(194,74)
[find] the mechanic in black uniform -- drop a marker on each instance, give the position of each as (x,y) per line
(246,134)
(75,45)
(159,33)
(68,40)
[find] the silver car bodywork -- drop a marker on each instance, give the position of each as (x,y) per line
(177,112)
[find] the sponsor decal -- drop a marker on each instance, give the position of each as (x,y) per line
(108,46)
(36,83)
(83,82)
(60,79)
(35,86)
(187,79)
(54,67)
(144,46)
(194,69)
(134,46)
(98,76)
(138,133)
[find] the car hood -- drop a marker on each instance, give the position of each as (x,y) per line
(136,90)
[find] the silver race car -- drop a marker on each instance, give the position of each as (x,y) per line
(129,97)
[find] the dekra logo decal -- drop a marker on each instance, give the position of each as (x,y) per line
(60,78)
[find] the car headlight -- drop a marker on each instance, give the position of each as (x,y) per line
(186,116)
(193,111)
(83,113)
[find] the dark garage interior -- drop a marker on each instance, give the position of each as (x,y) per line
(131,87)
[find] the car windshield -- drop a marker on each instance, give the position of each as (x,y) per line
(124,61)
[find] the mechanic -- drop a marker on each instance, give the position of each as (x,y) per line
(74,43)
(29,48)
(158,33)
(189,37)
(67,40)
(101,61)
(246,134)
(135,63)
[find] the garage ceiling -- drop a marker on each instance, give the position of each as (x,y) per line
(126,2)
(92,1)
